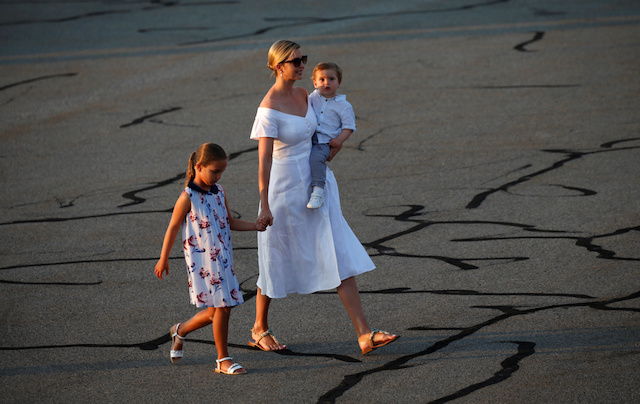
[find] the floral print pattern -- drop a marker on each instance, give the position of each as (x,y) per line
(208,251)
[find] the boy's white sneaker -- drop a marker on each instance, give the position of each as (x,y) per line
(316,200)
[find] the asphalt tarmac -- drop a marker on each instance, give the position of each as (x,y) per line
(493,180)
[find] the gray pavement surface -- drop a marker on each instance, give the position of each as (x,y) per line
(493,179)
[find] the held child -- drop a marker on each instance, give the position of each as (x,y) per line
(336,122)
(203,215)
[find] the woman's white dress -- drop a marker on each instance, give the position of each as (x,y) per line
(306,250)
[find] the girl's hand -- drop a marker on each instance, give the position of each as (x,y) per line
(265,217)
(161,266)
(260,226)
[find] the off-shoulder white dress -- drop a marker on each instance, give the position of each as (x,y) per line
(306,250)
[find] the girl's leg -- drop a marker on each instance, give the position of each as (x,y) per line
(201,319)
(261,324)
(220,335)
(350,297)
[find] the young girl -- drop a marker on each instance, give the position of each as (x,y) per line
(203,215)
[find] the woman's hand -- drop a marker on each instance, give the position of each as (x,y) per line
(261,225)
(265,217)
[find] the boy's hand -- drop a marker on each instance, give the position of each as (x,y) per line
(335,145)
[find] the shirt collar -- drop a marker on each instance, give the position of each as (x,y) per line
(214,188)
(337,98)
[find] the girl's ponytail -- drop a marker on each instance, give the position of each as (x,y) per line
(191,169)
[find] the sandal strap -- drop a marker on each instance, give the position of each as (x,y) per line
(231,369)
(234,367)
(175,333)
(376,331)
(265,334)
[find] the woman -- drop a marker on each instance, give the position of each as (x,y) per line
(303,250)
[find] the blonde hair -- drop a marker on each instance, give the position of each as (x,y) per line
(205,155)
(279,52)
(327,66)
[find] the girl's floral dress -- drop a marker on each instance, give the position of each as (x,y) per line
(208,251)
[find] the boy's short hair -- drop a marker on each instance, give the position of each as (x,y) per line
(327,66)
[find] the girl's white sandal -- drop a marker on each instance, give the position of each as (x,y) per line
(175,355)
(232,369)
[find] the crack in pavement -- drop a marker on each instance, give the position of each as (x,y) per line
(349,381)
(537,37)
(414,215)
(571,155)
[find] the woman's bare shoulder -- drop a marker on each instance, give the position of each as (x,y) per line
(289,104)
(301,92)
(268,101)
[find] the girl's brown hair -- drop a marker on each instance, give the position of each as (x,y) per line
(206,154)
(279,52)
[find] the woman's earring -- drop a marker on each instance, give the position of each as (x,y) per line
(280,73)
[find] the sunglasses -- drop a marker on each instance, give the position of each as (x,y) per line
(296,61)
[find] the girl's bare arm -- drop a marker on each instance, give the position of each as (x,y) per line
(242,225)
(182,208)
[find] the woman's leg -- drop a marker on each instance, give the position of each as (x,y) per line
(350,297)
(201,319)
(261,324)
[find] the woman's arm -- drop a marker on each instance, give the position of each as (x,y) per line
(183,206)
(265,154)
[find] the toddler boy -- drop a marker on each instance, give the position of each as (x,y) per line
(336,122)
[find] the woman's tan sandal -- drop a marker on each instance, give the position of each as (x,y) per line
(234,369)
(175,355)
(268,333)
(372,345)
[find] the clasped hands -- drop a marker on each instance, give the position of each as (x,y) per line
(264,220)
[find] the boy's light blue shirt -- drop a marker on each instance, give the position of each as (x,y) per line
(333,115)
